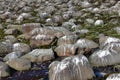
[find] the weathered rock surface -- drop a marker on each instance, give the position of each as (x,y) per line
(42,40)
(67,39)
(105,57)
(113,77)
(12,55)
(4,70)
(40,55)
(66,50)
(19,64)
(5,47)
(77,64)
(22,47)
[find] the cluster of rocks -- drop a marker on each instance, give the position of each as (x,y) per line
(34,32)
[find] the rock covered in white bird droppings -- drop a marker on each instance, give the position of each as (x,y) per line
(99,23)
(105,57)
(4,70)
(115,76)
(22,47)
(11,38)
(40,55)
(106,40)
(77,64)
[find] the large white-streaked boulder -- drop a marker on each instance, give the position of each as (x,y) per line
(71,68)
(4,70)
(19,64)
(115,76)
(66,50)
(105,57)
(42,40)
(22,47)
(40,55)
(67,39)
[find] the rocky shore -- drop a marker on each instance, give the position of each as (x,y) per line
(59,40)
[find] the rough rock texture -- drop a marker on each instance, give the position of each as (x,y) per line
(104,58)
(19,64)
(113,77)
(40,55)
(67,39)
(4,70)
(22,47)
(42,40)
(5,47)
(12,55)
(66,50)
(77,64)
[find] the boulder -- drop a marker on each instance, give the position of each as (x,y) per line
(19,64)
(27,27)
(21,47)
(86,45)
(40,55)
(66,50)
(12,55)
(115,76)
(42,40)
(105,57)
(4,70)
(63,70)
(67,39)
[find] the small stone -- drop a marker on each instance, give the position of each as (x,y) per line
(98,23)
(117,30)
